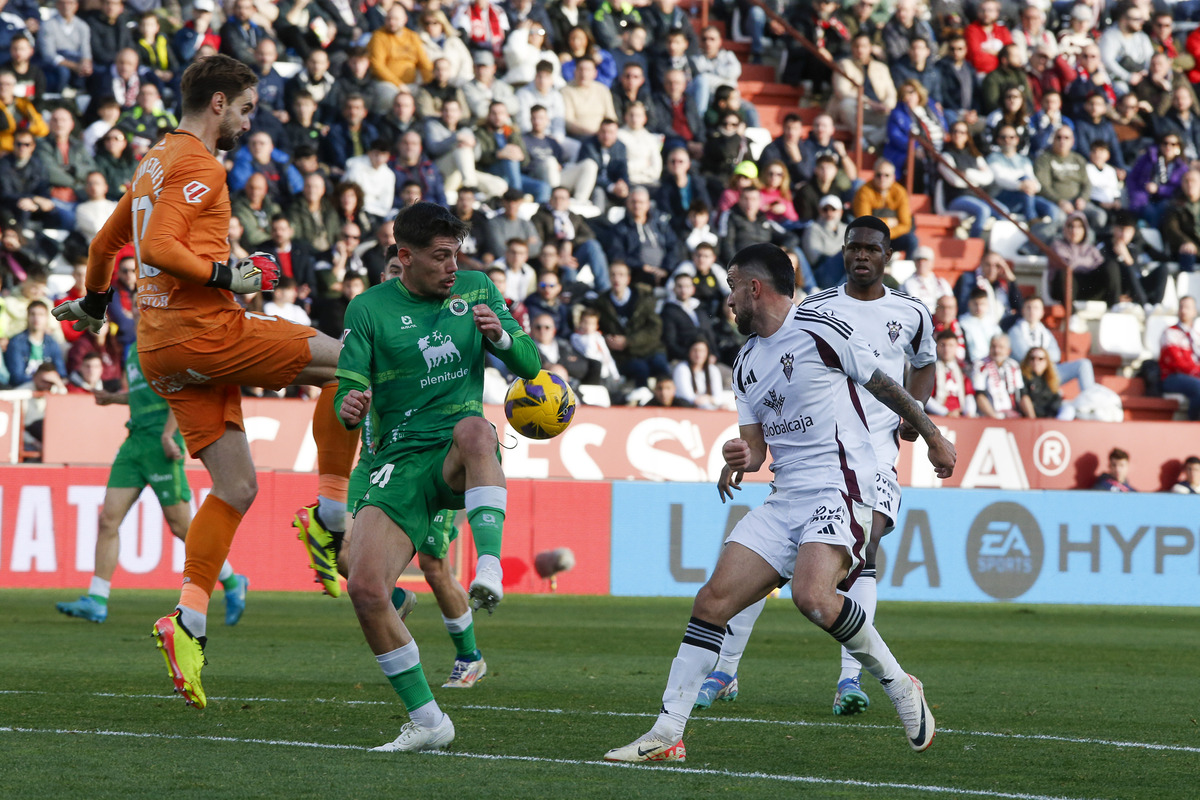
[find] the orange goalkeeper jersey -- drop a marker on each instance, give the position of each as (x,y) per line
(177,215)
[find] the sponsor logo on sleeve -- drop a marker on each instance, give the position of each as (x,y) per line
(194,192)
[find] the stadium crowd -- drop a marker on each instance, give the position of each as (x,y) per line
(609,166)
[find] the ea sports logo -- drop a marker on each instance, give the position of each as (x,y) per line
(1005,550)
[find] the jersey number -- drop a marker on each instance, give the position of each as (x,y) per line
(381,476)
(142,205)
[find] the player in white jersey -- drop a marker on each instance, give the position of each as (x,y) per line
(797,383)
(901,330)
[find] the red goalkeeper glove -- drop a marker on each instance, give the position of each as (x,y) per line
(257,272)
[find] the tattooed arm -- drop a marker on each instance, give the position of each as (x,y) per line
(893,395)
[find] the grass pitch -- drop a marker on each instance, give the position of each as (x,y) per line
(1031,702)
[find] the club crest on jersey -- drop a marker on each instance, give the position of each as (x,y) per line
(774,401)
(457,306)
(894,330)
(194,191)
(787,360)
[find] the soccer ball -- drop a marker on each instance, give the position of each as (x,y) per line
(540,408)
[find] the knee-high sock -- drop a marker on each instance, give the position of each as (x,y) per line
(696,658)
(737,634)
(864,642)
(335,458)
(402,667)
(486,506)
(865,592)
(207,545)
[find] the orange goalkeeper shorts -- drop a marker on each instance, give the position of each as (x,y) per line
(201,378)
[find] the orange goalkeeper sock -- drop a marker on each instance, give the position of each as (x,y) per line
(207,546)
(336,448)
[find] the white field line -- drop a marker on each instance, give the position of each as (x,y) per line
(1037,737)
(718,773)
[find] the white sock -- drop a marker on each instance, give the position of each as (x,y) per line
(485,496)
(396,661)
(459,624)
(696,658)
(332,514)
(737,634)
(194,621)
(865,592)
(226,572)
(428,715)
(486,560)
(864,643)
(99,587)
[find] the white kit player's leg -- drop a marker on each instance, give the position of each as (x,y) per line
(722,682)
(849,698)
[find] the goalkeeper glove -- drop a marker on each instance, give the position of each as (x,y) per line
(256,272)
(88,311)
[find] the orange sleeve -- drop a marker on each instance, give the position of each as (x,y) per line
(189,187)
(115,234)
(903,211)
(861,205)
(379,51)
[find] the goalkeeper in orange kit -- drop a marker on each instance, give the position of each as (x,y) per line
(198,346)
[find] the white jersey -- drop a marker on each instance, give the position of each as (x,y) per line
(899,327)
(799,385)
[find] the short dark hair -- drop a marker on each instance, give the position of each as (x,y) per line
(94,356)
(828,158)
(418,225)
(42,304)
(391,252)
(945,335)
(1191,460)
(516,240)
(286,282)
(976,294)
(872,222)
(280,217)
(1117,454)
(211,74)
(771,261)
(544,66)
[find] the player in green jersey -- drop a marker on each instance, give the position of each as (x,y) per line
(152,454)
(414,349)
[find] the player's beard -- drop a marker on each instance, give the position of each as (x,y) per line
(228,135)
(744,318)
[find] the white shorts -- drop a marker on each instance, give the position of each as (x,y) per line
(887,496)
(776,529)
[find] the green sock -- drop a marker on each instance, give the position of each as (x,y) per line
(464,643)
(230,583)
(104,602)
(412,687)
(487,527)
(398,596)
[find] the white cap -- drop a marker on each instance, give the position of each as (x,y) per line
(923,252)
(830,200)
(204,5)
(1082,12)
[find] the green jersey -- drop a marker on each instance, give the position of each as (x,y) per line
(423,358)
(147,409)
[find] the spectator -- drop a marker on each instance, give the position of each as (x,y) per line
(197,32)
(441,88)
(902,29)
(558,355)
(1091,78)
(94,211)
(16,114)
(303,131)
(87,378)
(884,197)
(546,156)
(122,308)
(945,318)
(565,15)
(1155,177)
(1179,358)
(1042,386)
(916,65)
(1062,173)
(572,238)
(477,248)
(684,320)
(1094,126)
(665,394)
(698,380)
(32,346)
(31,80)
(241,34)
(978,327)
(254,207)
(260,156)
(122,79)
(65,46)
(986,38)
(1145,284)
(330,310)
(726,152)
(1032,37)
(586,103)
(1077,34)
(644,242)
(1046,122)
(632,51)
(1125,48)
(823,184)
(1016,187)
(924,284)
(681,188)
(283,302)
(1117,477)
(952,395)
(13,26)
(484,89)
(348,203)
(1013,111)
(313,217)
(713,66)
(681,120)
(67,162)
(581,47)
(157,54)
(662,16)
(959,92)
(47,379)
(777,196)
(612,165)
(149,118)
(999,388)
(960,151)
(820,142)
(1191,477)
(881,95)
(1007,76)
(376,177)
(709,279)
(789,149)
(351,134)
(397,57)
(520,278)
(500,151)
(105,348)
(25,187)
(1029,332)
(590,343)
(314,80)
(1155,93)
(631,328)
(1094,277)
(542,91)
(441,41)
(15,261)
(484,25)
(631,87)
(515,307)
(914,116)
(15,309)
(77,291)
(644,148)
(509,224)
(526,49)
(822,242)
(547,300)
(295,257)
(356,78)
(1181,120)
(374,253)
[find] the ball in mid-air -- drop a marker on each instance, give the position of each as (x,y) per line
(540,408)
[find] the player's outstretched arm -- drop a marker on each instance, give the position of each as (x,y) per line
(892,395)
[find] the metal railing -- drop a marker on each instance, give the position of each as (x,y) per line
(1054,259)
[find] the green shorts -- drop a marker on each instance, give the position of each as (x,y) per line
(409,488)
(141,461)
